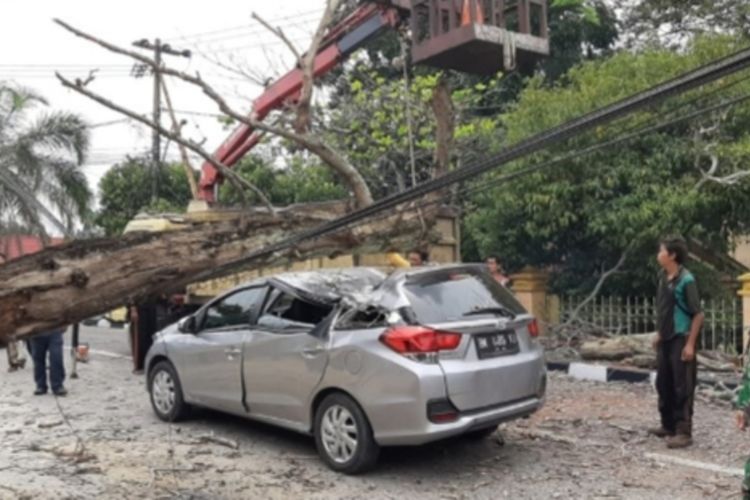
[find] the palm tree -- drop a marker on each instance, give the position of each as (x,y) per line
(41,156)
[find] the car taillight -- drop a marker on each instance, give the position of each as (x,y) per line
(441,412)
(419,340)
(533,328)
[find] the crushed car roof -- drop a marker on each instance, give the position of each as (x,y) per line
(331,285)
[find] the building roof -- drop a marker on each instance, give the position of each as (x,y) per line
(13,246)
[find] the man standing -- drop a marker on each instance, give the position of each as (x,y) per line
(41,345)
(679,323)
(496,270)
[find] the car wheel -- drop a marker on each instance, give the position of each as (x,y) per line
(343,435)
(166,393)
(480,434)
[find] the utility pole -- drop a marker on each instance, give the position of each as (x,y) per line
(138,71)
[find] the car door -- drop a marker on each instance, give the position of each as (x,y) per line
(285,359)
(211,368)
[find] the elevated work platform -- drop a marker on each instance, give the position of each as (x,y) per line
(479,36)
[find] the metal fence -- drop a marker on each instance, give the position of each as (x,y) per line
(722,329)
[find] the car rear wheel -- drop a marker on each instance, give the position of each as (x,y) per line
(166,393)
(343,435)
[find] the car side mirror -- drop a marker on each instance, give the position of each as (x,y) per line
(187,324)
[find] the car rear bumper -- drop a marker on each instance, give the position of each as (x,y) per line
(466,422)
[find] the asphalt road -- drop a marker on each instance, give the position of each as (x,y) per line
(103,441)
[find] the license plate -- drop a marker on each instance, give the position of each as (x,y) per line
(491,345)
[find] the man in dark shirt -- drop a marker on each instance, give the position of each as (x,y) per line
(678,325)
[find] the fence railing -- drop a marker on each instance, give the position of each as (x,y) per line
(722,328)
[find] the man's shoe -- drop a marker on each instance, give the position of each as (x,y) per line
(660,432)
(62,391)
(40,392)
(679,441)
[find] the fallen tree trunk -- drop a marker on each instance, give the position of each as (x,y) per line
(70,283)
(637,350)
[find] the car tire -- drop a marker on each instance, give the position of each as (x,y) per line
(339,422)
(165,393)
(480,434)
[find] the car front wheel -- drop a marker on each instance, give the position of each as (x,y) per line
(166,393)
(343,435)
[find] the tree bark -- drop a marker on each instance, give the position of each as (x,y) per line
(67,284)
(445,122)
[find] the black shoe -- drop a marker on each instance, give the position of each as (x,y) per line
(62,391)
(40,392)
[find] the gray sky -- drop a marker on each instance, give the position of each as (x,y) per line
(34,47)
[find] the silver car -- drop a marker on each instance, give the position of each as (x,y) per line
(357,358)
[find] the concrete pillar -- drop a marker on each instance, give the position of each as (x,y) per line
(530,287)
(744,292)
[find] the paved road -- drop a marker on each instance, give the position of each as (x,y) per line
(104,442)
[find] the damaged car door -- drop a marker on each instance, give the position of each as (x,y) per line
(285,357)
(211,362)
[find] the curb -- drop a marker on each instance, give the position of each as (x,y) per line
(605,373)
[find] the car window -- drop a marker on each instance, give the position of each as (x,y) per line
(451,295)
(286,312)
(234,310)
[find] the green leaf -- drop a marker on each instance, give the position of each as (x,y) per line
(567,4)
(591,16)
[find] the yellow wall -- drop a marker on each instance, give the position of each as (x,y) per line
(742,251)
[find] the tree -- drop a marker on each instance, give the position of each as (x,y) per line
(301,181)
(579,30)
(674,23)
(581,217)
(381,124)
(125,190)
(41,155)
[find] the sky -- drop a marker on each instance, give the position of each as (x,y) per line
(34,48)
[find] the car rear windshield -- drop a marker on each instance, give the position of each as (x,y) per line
(451,295)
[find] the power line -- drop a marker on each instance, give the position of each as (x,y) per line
(62,65)
(277,20)
(302,25)
(263,45)
(198,113)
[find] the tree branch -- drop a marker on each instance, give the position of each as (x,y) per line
(327,154)
(604,276)
(302,123)
(279,33)
(226,171)
(176,128)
